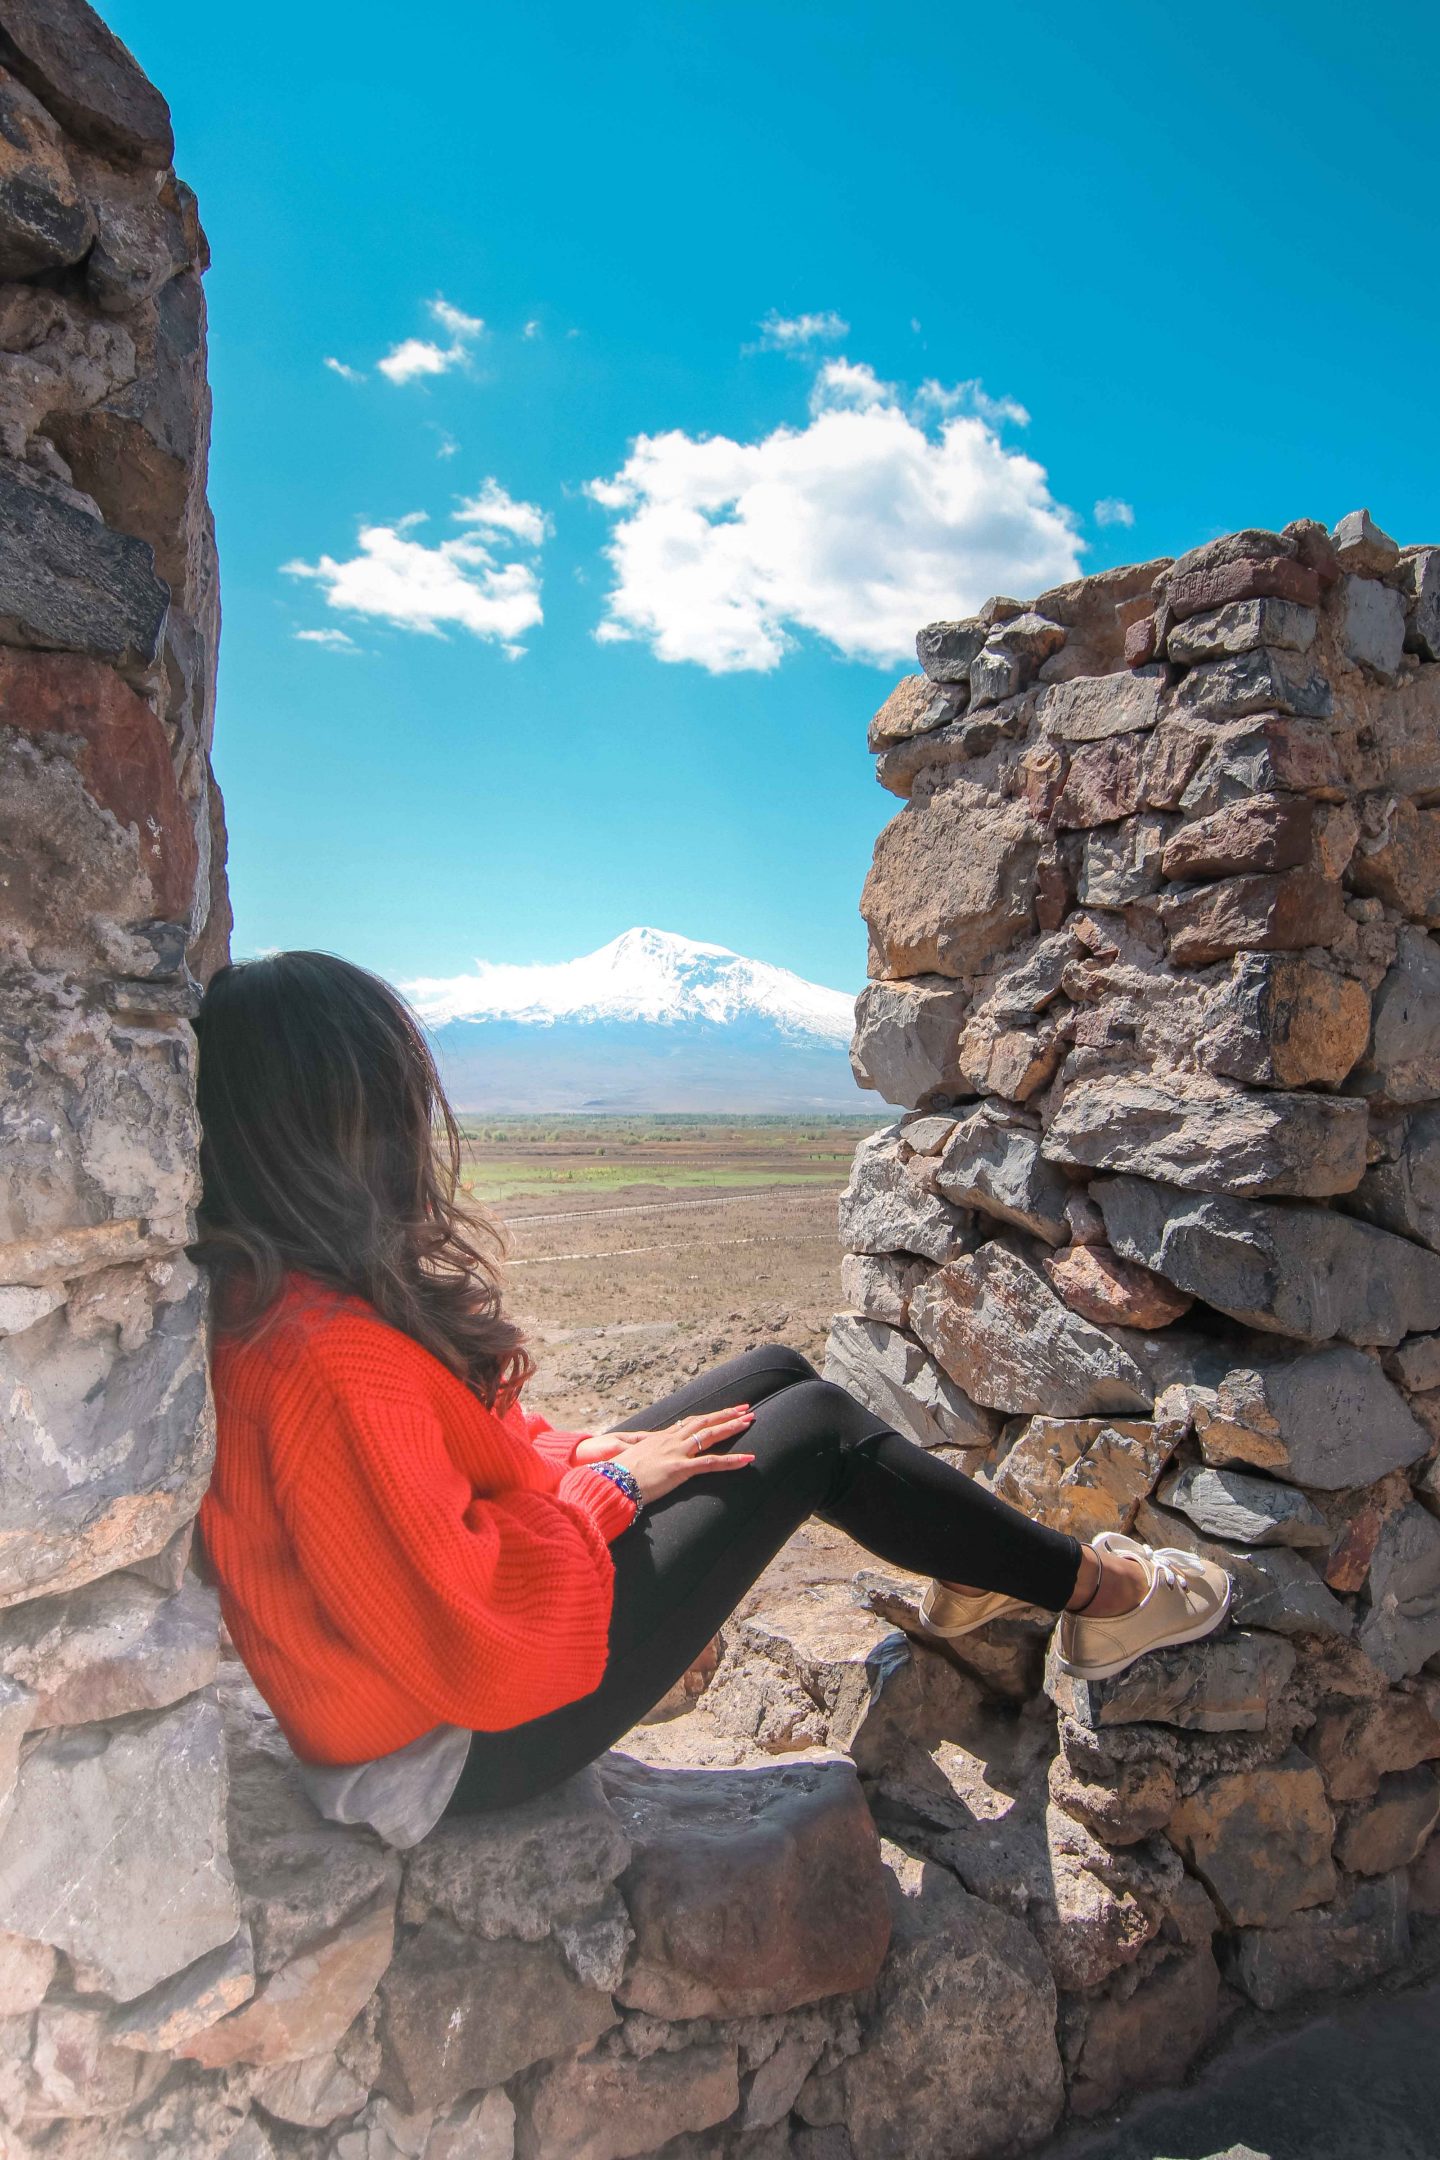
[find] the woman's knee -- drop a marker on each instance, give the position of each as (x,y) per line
(777,1359)
(818,1412)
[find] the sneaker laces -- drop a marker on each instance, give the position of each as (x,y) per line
(1175,1567)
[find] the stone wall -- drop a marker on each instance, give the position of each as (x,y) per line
(1156,1247)
(710,1959)
(1160,915)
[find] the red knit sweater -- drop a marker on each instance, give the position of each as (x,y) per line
(392,1555)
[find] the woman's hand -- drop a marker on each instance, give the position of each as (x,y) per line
(659,1461)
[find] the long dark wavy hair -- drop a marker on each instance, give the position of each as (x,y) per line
(328,1146)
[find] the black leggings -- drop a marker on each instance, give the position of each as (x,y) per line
(684,1565)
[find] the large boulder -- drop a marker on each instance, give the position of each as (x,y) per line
(905,1038)
(1401,1189)
(306,2005)
(1401,1628)
(45,221)
(997,1328)
(1326,1418)
(110,1450)
(113,1647)
(888,1371)
(1082,1475)
(1092,707)
(958,2057)
(70,584)
(114,1851)
(1402,1062)
(888,1206)
(1244,1510)
(1362,1935)
(1201,1134)
(524,1870)
(460,2014)
(612,2106)
(993,1161)
(1297,1271)
(1230,1683)
(950,886)
(1260,1840)
(1279,1020)
(750,1891)
(86,77)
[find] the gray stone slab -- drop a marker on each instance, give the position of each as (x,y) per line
(69,584)
(1305,1272)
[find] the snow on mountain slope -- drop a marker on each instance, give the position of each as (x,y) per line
(651,1021)
(650,975)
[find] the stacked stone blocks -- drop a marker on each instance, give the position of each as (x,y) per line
(1154,1246)
(717,1963)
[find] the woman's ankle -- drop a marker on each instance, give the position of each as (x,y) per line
(1106,1589)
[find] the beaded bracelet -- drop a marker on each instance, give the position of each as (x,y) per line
(625,1479)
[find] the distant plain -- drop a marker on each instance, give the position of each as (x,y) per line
(645,1248)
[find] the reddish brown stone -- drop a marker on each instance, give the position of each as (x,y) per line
(1096,612)
(914,707)
(1171,757)
(1100,1286)
(124,759)
(1054,891)
(1277,577)
(1270,832)
(1042,773)
(1140,642)
(1357,1743)
(1144,2031)
(750,1891)
(1314,548)
(1253,914)
(1353,1550)
(1103,783)
(1398,858)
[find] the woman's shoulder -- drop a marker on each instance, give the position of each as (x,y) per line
(314,1323)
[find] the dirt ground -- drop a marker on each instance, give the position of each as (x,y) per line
(642,1252)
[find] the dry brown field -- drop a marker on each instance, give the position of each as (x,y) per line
(642,1251)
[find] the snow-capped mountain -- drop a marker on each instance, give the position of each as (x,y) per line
(652,1021)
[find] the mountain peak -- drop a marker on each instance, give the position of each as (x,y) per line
(644,974)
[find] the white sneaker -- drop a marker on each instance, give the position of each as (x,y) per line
(950,1613)
(1188,1598)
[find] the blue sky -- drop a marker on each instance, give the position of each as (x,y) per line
(1197,252)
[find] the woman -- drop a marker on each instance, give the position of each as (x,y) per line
(425,1580)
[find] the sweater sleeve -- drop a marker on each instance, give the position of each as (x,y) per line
(557,1447)
(488,1608)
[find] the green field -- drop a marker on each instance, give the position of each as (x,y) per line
(517,1157)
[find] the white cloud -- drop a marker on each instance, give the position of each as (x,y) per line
(971,397)
(340,367)
(398,578)
(496,512)
(414,358)
(848,386)
(460,325)
(532,329)
(336,640)
(1110,510)
(793,333)
(876,517)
